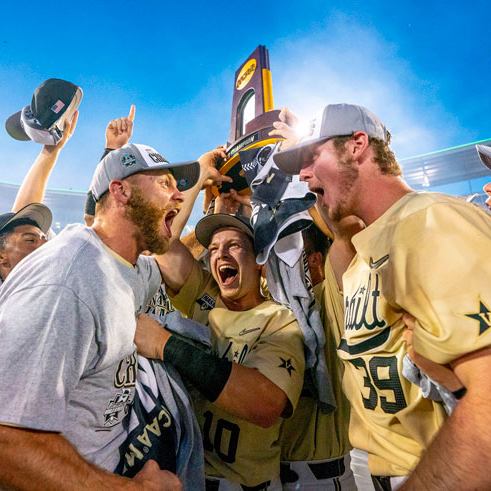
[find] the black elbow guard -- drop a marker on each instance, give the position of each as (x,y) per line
(206,372)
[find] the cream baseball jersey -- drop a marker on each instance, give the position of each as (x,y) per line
(266,338)
(426,255)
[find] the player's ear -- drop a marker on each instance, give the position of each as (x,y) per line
(358,144)
(4,259)
(121,190)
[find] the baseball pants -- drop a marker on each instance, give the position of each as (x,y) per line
(329,475)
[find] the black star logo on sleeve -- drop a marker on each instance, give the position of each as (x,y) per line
(287,365)
(483,317)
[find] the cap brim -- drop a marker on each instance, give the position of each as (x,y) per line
(186,174)
(37,212)
(14,128)
(290,161)
(484,153)
(207,226)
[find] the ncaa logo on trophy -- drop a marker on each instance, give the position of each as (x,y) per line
(252,118)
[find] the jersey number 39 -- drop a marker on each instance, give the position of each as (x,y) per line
(374,381)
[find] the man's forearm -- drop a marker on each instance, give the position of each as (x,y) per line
(48,461)
(34,184)
(458,457)
(239,390)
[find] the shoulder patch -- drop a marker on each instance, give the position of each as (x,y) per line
(483,316)
(206,302)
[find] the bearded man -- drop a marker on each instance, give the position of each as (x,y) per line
(67,322)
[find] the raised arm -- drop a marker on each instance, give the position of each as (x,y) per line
(176,264)
(48,461)
(34,184)
(119,131)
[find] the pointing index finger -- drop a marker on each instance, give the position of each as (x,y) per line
(131,115)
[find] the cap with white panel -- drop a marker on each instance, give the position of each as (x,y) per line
(132,158)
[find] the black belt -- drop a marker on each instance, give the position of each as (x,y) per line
(321,470)
(381,483)
(214,485)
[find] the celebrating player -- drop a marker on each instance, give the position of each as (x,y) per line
(255,372)
(417,252)
(67,317)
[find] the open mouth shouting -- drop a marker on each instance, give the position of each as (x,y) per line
(227,274)
(169,219)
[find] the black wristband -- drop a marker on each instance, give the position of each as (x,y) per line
(107,150)
(459,393)
(206,372)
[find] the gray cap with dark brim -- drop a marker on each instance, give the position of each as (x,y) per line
(133,158)
(334,120)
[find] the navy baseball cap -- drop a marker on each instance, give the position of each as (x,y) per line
(132,158)
(333,120)
(53,102)
(37,212)
(208,225)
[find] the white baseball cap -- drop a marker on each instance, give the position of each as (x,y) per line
(132,158)
(333,120)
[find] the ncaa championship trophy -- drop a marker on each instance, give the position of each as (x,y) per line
(252,118)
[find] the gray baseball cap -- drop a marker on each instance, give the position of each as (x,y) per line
(37,212)
(132,158)
(208,225)
(484,153)
(333,120)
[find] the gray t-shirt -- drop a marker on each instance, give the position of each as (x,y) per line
(67,322)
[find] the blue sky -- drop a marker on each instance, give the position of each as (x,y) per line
(423,67)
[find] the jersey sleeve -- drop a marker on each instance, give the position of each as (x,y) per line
(279,356)
(44,352)
(441,277)
(192,289)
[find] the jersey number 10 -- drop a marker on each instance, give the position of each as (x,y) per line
(223,426)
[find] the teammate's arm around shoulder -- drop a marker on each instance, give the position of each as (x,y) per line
(48,461)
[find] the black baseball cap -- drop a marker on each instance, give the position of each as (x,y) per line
(53,102)
(208,225)
(37,212)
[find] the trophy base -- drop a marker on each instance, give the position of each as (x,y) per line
(232,166)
